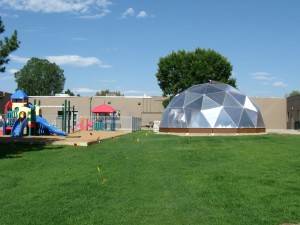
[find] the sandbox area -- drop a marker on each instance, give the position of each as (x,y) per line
(81,138)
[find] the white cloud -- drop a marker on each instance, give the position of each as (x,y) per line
(103,13)
(76,60)
(263,76)
(279,84)
(59,6)
(12,71)
(267,79)
(142,14)
(72,60)
(18,59)
(84,90)
(128,12)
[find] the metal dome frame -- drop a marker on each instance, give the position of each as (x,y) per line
(212,108)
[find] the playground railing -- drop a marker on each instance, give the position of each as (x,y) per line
(110,123)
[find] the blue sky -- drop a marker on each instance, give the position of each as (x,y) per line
(116,44)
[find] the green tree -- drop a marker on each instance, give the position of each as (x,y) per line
(69,92)
(40,77)
(7,45)
(294,93)
(182,69)
(107,92)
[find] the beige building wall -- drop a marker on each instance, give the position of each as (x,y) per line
(146,108)
(274,111)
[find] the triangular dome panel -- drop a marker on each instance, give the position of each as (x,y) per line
(196,119)
(211,115)
(239,97)
(245,121)
(177,101)
(196,104)
(190,97)
(224,120)
(218,97)
(208,103)
(230,101)
(234,113)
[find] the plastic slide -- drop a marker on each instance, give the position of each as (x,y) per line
(51,129)
(17,130)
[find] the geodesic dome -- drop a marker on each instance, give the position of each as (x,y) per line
(211,105)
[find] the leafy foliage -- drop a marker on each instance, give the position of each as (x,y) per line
(107,92)
(182,69)
(294,93)
(40,77)
(7,45)
(69,92)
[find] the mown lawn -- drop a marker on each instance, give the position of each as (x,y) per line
(143,178)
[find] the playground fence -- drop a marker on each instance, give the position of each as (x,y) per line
(126,123)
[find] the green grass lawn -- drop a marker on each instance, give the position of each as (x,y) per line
(143,178)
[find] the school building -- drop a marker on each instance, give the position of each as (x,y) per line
(150,108)
(278,113)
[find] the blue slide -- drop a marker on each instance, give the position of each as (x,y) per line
(43,123)
(17,130)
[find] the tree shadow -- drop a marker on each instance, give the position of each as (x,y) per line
(13,148)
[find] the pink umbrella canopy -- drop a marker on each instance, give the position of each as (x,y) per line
(103,109)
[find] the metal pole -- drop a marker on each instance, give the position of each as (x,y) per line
(90,108)
(69,116)
(29,122)
(73,118)
(65,115)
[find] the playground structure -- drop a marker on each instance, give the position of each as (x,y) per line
(104,118)
(24,118)
(42,118)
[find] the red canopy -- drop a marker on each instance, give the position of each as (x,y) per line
(103,109)
(7,106)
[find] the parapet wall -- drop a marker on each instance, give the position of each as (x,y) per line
(274,111)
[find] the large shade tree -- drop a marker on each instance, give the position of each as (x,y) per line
(182,69)
(294,93)
(7,45)
(40,77)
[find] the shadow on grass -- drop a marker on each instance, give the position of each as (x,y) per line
(13,148)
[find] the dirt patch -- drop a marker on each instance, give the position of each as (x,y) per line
(82,138)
